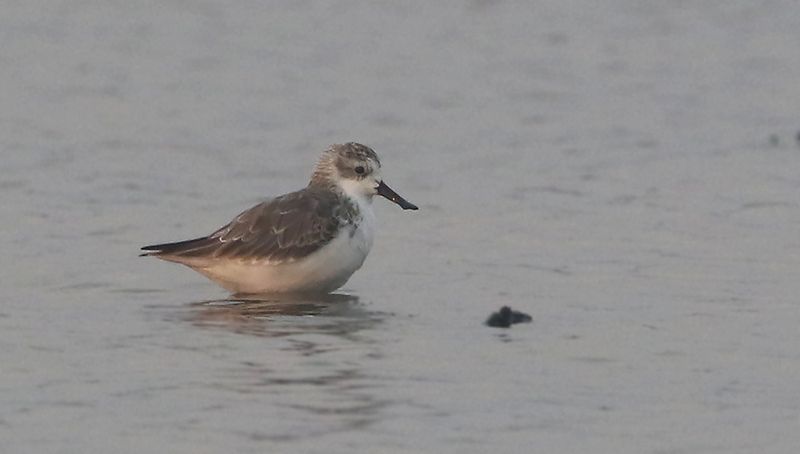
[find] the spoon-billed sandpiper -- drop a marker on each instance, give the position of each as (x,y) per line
(308,241)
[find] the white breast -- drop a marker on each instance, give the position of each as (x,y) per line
(365,231)
(330,267)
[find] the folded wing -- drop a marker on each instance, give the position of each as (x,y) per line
(286,228)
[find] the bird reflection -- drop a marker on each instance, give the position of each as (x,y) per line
(268,315)
(317,363)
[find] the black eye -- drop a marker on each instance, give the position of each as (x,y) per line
(359,170)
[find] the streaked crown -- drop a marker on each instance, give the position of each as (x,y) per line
(352,161)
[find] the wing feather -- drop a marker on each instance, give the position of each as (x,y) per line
(281,229)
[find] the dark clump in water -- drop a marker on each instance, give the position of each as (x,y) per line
(506,317)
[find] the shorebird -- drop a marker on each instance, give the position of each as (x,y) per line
(307,241)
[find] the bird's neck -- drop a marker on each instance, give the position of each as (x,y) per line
(324,172)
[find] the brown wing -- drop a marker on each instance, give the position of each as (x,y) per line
(288,227)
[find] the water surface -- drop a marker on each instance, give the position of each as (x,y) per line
(625,173)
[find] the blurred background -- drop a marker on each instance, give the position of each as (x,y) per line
(626,172)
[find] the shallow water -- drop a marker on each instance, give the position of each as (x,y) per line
(626,174)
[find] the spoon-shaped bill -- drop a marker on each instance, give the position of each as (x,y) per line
(387,192)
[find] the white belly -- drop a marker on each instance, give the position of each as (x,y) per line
(324,270)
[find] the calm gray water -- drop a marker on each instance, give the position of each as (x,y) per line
(627,173)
